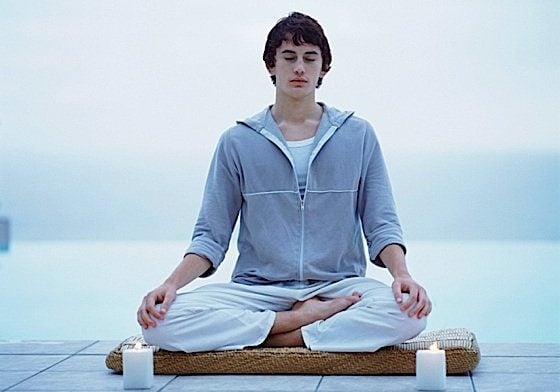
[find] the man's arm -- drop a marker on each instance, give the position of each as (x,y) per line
(211,235)
(190,268)
(418,303)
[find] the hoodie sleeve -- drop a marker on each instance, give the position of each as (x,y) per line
(376,206)
(220,207)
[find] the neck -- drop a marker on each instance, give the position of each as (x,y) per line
(296,111)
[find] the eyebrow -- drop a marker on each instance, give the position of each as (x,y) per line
(288,51)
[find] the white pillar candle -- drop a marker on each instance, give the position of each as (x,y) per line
(430,369)
(138,368)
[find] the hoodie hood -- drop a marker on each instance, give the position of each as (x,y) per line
(332,117)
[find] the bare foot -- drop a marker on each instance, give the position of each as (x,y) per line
(286,330)
(316,308)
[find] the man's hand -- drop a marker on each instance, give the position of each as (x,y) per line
(418,303)
(148,313)
(190,268)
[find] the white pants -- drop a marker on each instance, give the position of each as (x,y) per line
(228,316)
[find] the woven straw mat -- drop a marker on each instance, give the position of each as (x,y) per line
(460,345)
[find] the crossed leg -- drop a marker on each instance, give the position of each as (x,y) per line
(286,330)
(356,314)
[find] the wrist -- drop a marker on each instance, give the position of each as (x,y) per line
(397,268)
(394,259)
(171,284)
(402,275)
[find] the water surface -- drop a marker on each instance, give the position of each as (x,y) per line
(503,291)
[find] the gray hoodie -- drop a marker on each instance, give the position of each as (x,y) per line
(286,239)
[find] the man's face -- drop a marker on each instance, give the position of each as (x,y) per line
(297,68)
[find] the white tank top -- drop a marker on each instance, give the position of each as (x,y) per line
(301,151)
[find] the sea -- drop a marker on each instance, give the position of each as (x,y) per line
(505,292)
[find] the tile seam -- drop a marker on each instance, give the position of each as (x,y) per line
(472,381)
(37,373)
(319,383)
(167,383)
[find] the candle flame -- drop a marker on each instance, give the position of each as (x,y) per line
(138,346)
(434,346)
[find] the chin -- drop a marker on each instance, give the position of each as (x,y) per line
(299,93)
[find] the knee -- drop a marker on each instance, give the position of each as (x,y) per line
(412,326)
(154,335)
(161,335)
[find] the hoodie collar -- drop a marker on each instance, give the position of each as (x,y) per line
(331,117)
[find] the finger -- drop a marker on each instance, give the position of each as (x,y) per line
(397,291)
(426,310)
(420,304)
(411,299)
(429,309)
(168,299)
(140,320)
(422,311)
(150,319)
(151,300)
(416,310)
(144,319)
(139,317)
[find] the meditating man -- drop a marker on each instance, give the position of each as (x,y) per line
(306,180)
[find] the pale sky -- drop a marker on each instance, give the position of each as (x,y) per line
(99,76)
(100,100)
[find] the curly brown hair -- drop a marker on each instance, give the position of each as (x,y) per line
(300,29)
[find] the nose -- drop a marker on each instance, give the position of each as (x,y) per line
(299,68)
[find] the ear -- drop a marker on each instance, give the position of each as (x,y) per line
(271,70)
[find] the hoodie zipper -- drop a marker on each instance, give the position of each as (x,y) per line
(288,155)
(302,236)
(314,153)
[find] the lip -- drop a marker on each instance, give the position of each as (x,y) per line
(298,81)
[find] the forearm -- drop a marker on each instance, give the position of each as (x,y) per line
(190,268)
(393,258)
(418,304)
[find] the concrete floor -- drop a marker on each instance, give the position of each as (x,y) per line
(80,366)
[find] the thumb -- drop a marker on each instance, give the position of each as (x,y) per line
(169,297)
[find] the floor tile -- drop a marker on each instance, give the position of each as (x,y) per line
(81,363)
(7,379)
(81,381)
(28,362)
(533,365)
(500,382)
(387,383)
(101,347)
(235,383)
(520,349)
(44,347)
